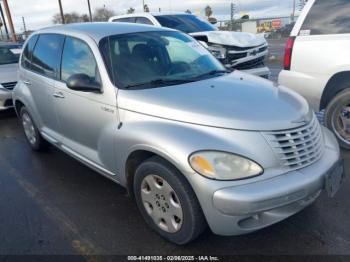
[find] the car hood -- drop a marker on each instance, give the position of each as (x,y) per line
(239,39)
(234,101)
(8,73)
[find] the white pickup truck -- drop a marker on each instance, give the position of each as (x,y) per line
(235,50)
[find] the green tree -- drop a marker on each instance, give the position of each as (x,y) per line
(69,18)
(146,8)
(208,11)
(131,10)
(103,14)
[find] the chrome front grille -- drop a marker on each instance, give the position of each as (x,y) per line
(299,147)
(9,85)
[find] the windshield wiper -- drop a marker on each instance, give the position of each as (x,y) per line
(211,73)
(160,82)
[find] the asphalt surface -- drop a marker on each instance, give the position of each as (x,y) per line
(50,204)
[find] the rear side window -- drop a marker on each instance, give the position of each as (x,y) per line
(77,58)
(125,20)
(327,17)
(143,20)
(46,54)
(28,52)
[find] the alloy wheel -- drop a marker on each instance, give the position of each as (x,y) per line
(29,128)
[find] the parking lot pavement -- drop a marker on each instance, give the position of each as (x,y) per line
(52,204)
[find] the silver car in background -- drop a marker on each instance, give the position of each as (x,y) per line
(153,110)
(9,56)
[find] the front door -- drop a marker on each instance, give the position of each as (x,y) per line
(88,120)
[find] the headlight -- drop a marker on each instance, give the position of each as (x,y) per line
(224,166)
(218,51)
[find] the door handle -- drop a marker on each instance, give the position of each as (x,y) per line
(58,95)
(27,82)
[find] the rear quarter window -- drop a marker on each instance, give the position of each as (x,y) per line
(28,52)
(327,17)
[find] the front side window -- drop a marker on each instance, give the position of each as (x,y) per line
(46,54)
(153,59)
(28,52)
(185,23)
(9,54)
(77,58)
(327,17)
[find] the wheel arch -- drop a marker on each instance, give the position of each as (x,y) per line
(336,84)
(18,105)
(136,158)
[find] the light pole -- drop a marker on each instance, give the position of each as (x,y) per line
(9,19)
(293,14)
(90,15)
(4,21)
(24,25)
(61,11)
(143,5)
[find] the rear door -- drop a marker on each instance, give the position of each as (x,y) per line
(40,76)
(88,120)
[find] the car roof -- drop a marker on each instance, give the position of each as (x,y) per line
(146,14)
(99,30)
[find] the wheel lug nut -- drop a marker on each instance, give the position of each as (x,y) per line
(166,205)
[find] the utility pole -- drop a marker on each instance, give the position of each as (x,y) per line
(293,14)
(61,11)
(90,15)
(4,21)
(233,8)
(143,5)
(24,24)
(9,19)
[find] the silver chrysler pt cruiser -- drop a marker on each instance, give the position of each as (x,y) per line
(154,111)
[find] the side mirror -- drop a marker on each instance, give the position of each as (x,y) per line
(84,83)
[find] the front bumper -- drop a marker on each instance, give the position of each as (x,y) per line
(5,99)
(244,208)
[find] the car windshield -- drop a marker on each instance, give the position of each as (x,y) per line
(9,54)
(153,59)
(184,23)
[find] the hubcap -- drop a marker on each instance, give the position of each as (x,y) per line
(161,203)
(341,123)
(29,129)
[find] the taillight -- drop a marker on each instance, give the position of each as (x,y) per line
(288,53)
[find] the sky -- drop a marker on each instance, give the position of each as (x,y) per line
(38,13)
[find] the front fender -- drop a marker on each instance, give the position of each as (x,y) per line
(176,141)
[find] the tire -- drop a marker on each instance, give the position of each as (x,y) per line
(337,117)
(185,226)
(35,140)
